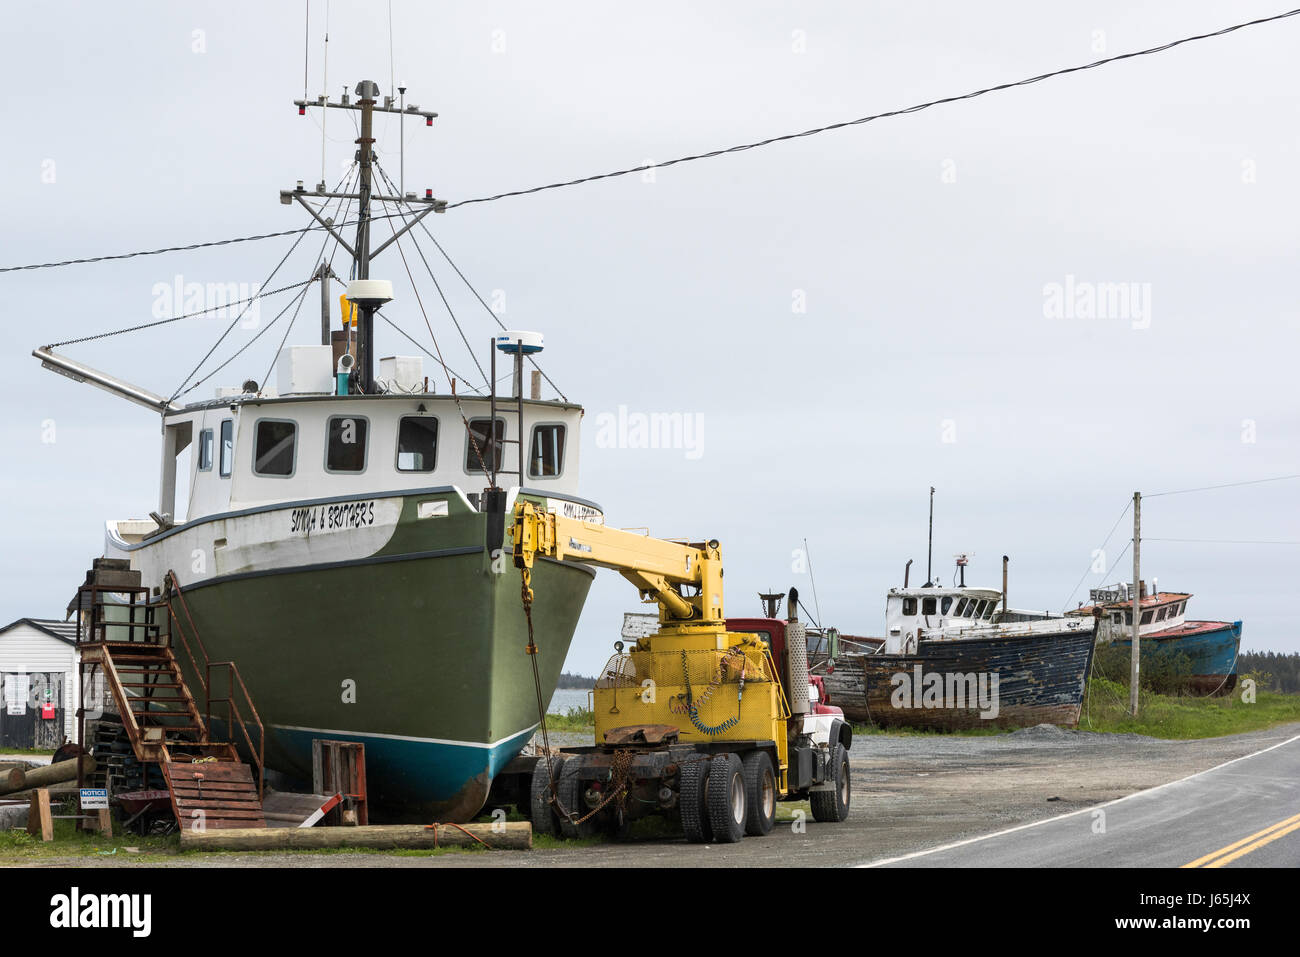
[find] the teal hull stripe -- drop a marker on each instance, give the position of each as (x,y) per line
(415,770)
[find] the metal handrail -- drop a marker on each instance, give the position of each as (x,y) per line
(233,713)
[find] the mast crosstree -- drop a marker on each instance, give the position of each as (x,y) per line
(366,295)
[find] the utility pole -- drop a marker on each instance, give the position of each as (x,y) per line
(1136,651)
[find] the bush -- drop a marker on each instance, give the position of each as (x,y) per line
(1162,671)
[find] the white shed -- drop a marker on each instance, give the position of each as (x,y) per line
(38,667)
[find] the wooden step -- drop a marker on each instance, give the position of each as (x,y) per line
(224,791)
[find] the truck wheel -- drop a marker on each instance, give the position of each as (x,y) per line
(541,810)
(568,788)
(691,800)
(833,806)
(727,798)
(760,794)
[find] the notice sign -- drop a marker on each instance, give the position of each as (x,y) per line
(94,799)
(17,687)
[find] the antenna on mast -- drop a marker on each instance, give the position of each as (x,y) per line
(929,553)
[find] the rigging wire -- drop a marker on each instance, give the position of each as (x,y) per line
(916,108)
(235,321)
(1101,548)
(188,315)
(287,329)
(436,285)
(495,318)
(261,332)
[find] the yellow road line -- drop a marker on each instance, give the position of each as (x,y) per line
(1226,854)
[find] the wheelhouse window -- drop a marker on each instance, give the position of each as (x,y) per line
(227,447)
(345,446)
(909,606)
(205,450)
(479,444)
(960,610)
(945,604)
(988,612)
(273,452)
(1146,617)
(417,443)
(928,606)
(546,451)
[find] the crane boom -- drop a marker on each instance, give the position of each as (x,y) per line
(659,569)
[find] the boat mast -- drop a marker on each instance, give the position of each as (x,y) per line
(367,304)
(368,91)
(929,553)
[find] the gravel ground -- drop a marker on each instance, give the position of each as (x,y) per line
(909,793)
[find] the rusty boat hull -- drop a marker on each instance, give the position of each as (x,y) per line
(1003,681)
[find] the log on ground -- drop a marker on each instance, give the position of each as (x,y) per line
(45,775)
(509,835)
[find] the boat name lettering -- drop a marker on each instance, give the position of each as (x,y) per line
(330,517)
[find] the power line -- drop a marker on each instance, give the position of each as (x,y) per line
(877,116)
(1207,488)
(1220,541)
(699,156)
(191,246)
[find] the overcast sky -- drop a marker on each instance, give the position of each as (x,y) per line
(852,317)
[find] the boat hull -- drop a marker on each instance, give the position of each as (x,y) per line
(416,650)
(1040,679)
(1210,648)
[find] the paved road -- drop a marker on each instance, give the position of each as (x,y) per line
(1242,813)
(910,793)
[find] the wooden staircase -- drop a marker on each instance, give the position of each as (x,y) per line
(210,785)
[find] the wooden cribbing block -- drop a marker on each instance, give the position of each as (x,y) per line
(39,819)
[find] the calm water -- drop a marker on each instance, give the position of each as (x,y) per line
(566,698)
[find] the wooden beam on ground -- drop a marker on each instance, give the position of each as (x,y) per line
(508,835)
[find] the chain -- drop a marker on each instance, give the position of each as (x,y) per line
(620,770)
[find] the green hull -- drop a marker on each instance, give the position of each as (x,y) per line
(417,651)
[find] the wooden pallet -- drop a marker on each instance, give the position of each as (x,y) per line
(222,792)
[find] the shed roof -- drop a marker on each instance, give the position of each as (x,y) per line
(65,631)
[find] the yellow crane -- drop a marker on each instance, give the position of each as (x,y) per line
(697,721)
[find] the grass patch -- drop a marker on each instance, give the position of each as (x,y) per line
(18,845)
(575,719)
(1183,716)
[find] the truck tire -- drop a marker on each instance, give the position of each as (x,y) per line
(760,794)
(727,806)
(568,788)
(691,800)
(541,811)
(833,806)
